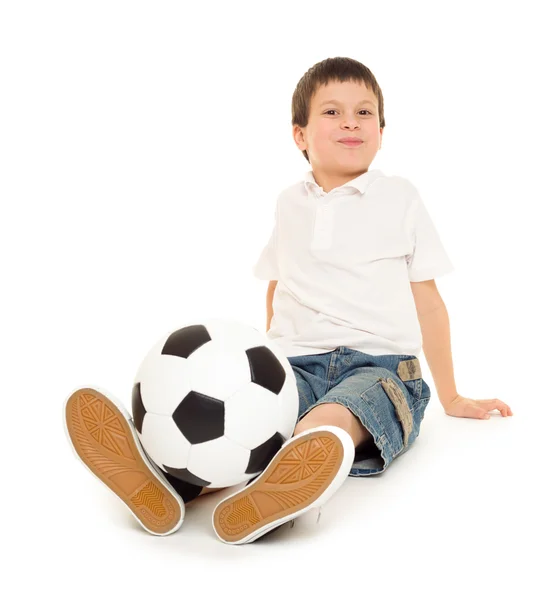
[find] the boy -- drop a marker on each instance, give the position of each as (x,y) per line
(351,264)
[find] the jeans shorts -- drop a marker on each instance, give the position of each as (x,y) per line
(386,392)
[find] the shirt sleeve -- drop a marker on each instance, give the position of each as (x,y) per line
(429,258)
(266,266)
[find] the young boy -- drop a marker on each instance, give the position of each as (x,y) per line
(351,264)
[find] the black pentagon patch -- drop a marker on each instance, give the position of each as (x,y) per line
(266,369)
(186,340)
(186,475)
(261,456)
(200,418)
(187,491)
(138,410)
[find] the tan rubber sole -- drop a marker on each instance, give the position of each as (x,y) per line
(296,477)
(102,438)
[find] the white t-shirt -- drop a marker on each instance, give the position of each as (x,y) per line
(344,261)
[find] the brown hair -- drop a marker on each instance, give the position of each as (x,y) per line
(339,69)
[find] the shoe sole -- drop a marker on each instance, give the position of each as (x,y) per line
(303,474)
(102,435)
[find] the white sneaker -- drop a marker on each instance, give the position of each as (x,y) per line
(302,475)
(104,438)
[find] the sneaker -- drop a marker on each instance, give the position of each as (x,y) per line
(302,475)
(104,438)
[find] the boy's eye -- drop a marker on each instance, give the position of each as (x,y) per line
(333,110)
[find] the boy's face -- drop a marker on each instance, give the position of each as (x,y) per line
(353,112)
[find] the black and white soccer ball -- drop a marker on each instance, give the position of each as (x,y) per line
(213,402)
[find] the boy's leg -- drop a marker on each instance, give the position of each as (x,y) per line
(103,436)
(210,490)
(338,415)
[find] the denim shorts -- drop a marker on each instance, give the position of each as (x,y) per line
(386,392)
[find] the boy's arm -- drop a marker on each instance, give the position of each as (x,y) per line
(270,294)
(436,339)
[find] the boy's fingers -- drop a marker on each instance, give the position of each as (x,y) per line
(503,408)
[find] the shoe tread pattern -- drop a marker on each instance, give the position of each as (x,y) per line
(103,440)
(290,483)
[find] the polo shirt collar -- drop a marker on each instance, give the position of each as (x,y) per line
(360,183)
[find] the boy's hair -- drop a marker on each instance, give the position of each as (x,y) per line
(339,69)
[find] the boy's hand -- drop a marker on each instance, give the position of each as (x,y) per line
(476,409)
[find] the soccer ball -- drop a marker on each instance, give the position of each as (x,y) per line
(213,402)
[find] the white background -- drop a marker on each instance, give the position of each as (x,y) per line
(143,145)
